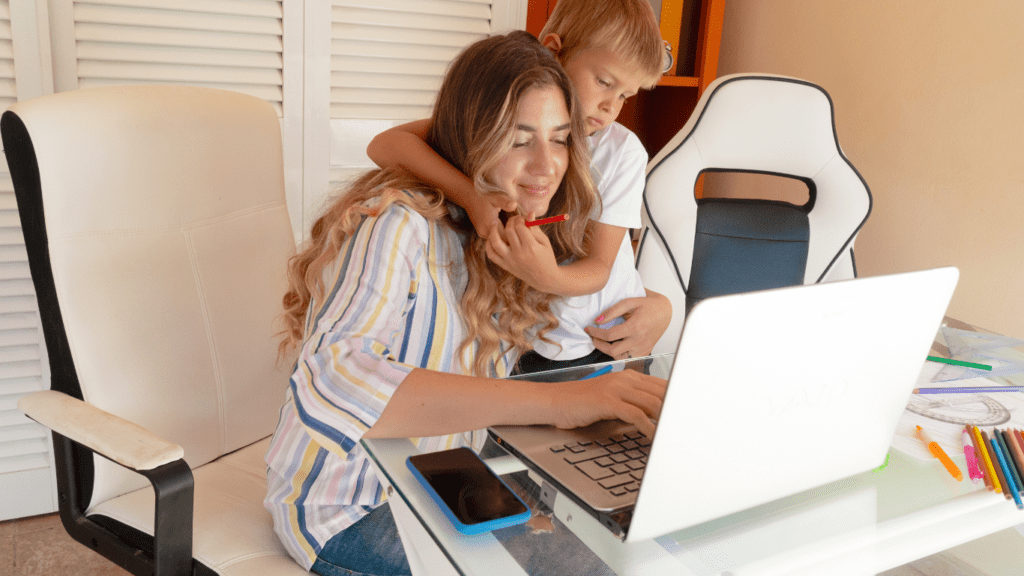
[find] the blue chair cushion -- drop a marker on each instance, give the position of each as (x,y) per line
(746,245)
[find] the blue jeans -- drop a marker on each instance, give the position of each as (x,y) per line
(370,547)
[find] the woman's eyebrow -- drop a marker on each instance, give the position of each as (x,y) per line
(528,128)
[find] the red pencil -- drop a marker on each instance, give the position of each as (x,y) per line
(550,220)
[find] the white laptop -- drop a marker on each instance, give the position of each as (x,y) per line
(771,393)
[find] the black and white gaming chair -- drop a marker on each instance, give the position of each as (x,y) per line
(692,249)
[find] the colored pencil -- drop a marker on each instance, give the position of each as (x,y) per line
(1020,438)
(1011,463)
(981,459)
(1003,484)
(598,372)
(969,390)
(1015,451)
(1006,472)
(989,469)
(550,220)
(959,363)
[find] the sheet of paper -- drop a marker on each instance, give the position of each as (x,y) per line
(945,415)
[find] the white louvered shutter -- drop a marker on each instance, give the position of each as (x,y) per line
(26,453)
(387,60)
(248,46)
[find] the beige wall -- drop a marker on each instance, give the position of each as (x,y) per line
(929,98)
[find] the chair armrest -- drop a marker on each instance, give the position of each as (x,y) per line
(128,444)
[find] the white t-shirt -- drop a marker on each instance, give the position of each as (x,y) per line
(618,162)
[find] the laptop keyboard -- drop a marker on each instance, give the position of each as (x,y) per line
(615,463)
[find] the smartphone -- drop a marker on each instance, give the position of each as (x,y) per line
(468,492)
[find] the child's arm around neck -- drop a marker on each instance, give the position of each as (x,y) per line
(405,145)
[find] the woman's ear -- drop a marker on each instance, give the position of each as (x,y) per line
(552,42)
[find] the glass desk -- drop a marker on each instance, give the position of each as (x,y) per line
(860,525)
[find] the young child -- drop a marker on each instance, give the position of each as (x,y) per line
(610,50)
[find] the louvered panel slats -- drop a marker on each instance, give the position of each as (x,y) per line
(8,91)
(387,81)
(16,432)
(170,15)
(411,21)
(244,7)
(15,288)
(227,44)
(39,458)
(179,73)
(24,445)
(19,337)
(408,56)
(106,52)
(183,38)
(360,64)
(13,254)
(460,9)
(388,57)
(386,35)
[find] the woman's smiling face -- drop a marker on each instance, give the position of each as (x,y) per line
(532,170)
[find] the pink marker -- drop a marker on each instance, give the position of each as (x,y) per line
(972,462)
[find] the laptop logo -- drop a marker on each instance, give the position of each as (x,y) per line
(807,398)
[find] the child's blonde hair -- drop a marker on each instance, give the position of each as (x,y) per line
(628,28)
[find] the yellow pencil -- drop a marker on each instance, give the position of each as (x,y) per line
(988,462)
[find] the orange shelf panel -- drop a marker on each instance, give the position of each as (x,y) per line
(679,81)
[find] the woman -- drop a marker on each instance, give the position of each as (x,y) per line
(403,325)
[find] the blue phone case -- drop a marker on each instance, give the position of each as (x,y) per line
(480,527)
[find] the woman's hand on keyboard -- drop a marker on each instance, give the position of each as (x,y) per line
(626,395)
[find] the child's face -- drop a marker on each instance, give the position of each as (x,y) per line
(602,82)
(532,170)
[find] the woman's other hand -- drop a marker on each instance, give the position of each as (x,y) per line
(645,320)
(626,395)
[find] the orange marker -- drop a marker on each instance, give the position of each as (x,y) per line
(550,220)
(989,470)
(937,451)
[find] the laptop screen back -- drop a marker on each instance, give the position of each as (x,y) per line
(777,392)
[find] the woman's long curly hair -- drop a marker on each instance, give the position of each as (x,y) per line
(472,127)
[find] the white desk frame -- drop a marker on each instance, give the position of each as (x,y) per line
(963,512)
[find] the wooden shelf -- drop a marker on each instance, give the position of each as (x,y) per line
(691,81)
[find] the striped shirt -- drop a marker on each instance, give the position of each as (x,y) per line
(391,305)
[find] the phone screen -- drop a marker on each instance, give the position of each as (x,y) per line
(467,486)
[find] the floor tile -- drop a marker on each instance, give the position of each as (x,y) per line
(52,551)
(7,528)
(6,550)
(37,523)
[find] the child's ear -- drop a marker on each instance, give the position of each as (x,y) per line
(552,42)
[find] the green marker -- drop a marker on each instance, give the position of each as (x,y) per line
(960,363)
(884,464)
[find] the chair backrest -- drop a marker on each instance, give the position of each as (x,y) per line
(760,124)
(157,233)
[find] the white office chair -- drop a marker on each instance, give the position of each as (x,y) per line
(690,249)
(157,236)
